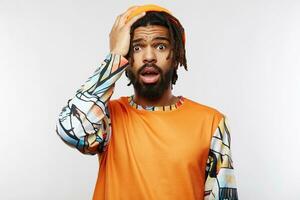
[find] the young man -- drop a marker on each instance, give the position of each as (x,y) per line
(151,145)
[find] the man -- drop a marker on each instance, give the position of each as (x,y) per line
(151,145)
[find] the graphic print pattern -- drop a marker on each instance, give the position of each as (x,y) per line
(84,123)
(220,179)
(156,108)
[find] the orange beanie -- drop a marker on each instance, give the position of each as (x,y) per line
(150,7)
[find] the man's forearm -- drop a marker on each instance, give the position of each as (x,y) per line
(84,123)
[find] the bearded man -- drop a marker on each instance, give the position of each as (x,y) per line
(152,144)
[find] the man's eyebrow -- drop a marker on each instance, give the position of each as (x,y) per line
(162,38)
(156,38)
(137,40)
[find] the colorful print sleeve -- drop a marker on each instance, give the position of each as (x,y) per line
(220,180)
(84,123)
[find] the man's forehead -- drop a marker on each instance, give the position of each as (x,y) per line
(151,32)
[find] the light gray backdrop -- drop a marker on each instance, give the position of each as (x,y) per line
(243,58)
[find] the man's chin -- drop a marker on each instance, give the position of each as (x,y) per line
(149,90)
(150,93)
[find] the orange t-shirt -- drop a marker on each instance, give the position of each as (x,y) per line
(156,154)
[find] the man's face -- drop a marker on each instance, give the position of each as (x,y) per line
(151,70)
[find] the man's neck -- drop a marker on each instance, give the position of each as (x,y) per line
(166,99)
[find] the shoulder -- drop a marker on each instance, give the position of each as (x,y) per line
(208,114)
(118,103)
(202,108)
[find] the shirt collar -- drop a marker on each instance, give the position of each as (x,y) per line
(156,108)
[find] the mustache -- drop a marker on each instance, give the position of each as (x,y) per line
(149,65)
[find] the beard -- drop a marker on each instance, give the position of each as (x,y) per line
(153,91)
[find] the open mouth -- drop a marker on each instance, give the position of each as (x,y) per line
(149,75)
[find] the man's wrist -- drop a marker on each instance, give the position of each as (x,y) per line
(122,57)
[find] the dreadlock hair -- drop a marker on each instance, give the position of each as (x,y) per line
(176,32)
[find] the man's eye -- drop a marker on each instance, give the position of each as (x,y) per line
(136,48)
(161,46)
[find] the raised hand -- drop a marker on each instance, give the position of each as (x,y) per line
(119,36)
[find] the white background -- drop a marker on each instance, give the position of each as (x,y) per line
(243,58)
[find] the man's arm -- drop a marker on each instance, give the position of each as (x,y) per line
(220,180)
(84,122)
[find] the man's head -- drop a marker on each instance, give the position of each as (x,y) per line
(156,49)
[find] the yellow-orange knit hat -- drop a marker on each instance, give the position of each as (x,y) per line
(151,7)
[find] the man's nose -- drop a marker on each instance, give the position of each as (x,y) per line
(149,55)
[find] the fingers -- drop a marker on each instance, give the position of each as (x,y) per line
(127,13)
(115,24)
(134,19)
(131,8)
(121,19)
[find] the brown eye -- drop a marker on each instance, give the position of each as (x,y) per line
(136,48)
(161,46)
